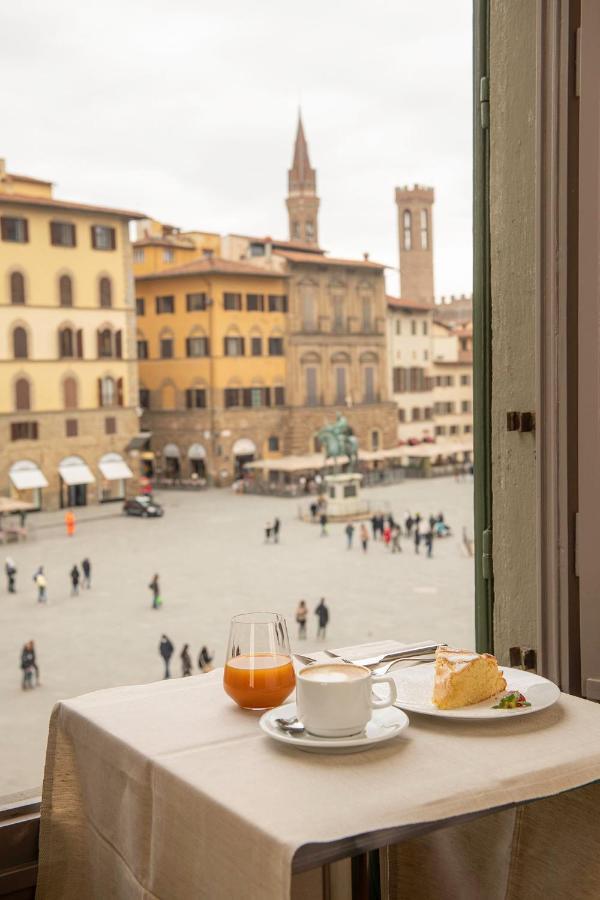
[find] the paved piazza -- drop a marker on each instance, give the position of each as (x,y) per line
(210,553)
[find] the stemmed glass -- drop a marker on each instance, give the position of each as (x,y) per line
(258,673)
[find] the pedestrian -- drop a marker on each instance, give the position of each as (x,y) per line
(396,534)
(205,660)
(74,575)
(417,538)
(28,666)
(349,535)
(374,526)
(276,529)
(23,519)
(186,661)
(418,520)
(165,648)
(322,614)
(429,542)
(432,521)
(314,508)
(387,535)
(86,568)
(40,582)
(301,615)
(364,537)
(323,521)
(268,529)
(155,588)
(70,522)
(11,575)
(408,524)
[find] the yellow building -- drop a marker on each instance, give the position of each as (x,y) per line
(211,350)
(67,346)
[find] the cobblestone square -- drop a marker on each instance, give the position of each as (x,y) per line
(210,553)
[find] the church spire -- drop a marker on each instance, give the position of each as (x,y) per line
(302,201)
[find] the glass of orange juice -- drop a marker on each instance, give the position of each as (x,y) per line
(258,673)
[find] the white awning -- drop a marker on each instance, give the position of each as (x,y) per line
(75,473)
(27,479)
(115,470)
(244,447)
(196,451)
(171,451)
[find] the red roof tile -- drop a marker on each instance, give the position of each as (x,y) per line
(402,303)
(212,265)
(51,203)
(316,260)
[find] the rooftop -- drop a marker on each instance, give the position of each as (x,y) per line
(52,203)
(211,265)
(316,259)
(404,303)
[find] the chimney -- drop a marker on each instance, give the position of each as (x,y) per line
(366,257)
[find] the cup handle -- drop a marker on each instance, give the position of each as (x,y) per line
(389,701)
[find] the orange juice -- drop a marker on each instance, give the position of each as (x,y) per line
(260,680)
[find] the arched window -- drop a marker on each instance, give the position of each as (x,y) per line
(22,394)
(105,343)
(309,229)
(107,391)
(407,229)
(309,310)
(367,314)
(65,290)
(424,230)
(17,288)
(66,343)
(105,290)
(20,349)
(70,393)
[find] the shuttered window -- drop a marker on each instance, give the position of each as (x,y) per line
(65,290)
(195,398)
(166,348)
(165,305)
(24,431)
(195,302)
(279,396)
(232,301)
(103,237)
(278,303)
(22,394)
(255,302)
(275,346)
(233,346)
(17,289)
(142,349)
(231,397)
(20,343)
(14,229)
(105,292)
(197,346)
(62,234)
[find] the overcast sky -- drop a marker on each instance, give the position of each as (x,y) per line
(186,110)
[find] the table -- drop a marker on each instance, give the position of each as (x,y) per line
(170,791)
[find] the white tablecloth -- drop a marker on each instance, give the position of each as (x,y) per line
(170,791)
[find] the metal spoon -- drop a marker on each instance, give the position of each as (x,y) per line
(290,726)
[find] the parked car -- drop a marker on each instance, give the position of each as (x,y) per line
(142,506)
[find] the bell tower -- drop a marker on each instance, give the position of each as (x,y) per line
(302,201)
(415,232)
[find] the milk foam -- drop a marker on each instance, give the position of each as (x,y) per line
(330,674)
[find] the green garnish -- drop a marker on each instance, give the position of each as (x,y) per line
(514,700)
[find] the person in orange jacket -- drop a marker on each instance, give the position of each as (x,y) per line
(70,522)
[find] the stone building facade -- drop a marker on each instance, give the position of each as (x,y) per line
(68,374)
(415,242)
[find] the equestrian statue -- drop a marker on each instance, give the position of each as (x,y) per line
(338,439)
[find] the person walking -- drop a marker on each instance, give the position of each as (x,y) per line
(349,529)
(396,535)
(41,584)
(429,543)
(28,666)
(268,530)
(86,568)
(155,588)
(166,648)
(301,615)
(417,538)
(364,537)
(70,522)
(186,661)
(314,508)
(374,526)
(74,575)
(205,660)
(387,535)
(11,575)
(323,521)
(322,614)
(276,530)
(408,524)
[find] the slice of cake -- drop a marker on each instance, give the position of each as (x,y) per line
(463,677)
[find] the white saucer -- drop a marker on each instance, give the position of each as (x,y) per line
(385,724)
(415,686)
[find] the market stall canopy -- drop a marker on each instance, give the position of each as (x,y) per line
(26,476)
(73,470)
(8,506)
(196,451)
(114,467)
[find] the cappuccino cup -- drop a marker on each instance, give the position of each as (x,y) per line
(336,699)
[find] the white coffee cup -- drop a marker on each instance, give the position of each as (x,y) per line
(336,699)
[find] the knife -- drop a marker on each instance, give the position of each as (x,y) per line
(416,650)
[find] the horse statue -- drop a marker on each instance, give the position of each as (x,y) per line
(338,439)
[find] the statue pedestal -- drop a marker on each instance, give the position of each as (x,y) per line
(343,496)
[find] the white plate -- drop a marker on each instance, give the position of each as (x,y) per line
(385,724)
(415,687)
